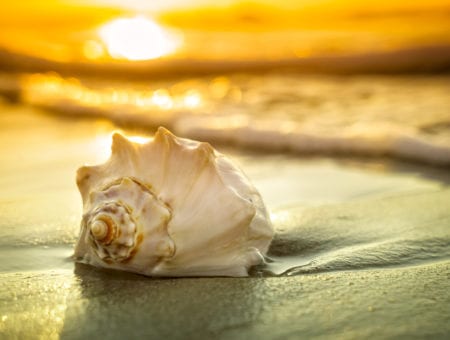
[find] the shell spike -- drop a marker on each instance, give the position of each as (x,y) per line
(206,148)
(120,144)
(83,178)
(162,130)
(163,134)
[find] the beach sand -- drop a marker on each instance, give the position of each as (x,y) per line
(362,249)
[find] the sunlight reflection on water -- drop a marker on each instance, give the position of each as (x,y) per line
(50,89)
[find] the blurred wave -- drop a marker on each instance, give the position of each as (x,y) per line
(398,116)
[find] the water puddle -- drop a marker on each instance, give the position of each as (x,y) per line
(298,265)
(21,259)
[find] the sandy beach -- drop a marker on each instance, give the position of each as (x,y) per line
(362,249)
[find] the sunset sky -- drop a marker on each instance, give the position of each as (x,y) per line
(70,30)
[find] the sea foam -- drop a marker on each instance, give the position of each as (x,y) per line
(397,116)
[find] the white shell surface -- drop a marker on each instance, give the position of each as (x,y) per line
(170,207)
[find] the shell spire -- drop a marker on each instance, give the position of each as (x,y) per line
(170,207)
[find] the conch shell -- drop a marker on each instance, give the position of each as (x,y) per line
(170,207)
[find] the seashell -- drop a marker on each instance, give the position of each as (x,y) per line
(170,207)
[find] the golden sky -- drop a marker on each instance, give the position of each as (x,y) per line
(61,29)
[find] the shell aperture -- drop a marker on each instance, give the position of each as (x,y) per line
(170,207)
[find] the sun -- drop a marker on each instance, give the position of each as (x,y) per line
(137,38)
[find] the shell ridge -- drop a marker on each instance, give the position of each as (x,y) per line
(218,242)
(260,230)
(120,144)
(173,151)
(203,166)
(83,178)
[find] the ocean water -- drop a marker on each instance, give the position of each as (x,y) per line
(405,117)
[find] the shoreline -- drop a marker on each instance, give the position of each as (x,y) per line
(418,60)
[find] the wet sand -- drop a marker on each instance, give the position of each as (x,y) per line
(362,249)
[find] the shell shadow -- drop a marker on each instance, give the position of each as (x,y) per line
(117,305)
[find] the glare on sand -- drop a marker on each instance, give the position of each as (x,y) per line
(137,38)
